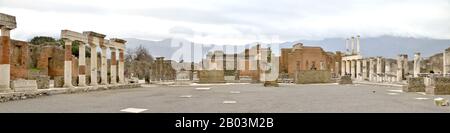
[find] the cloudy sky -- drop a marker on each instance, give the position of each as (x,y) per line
(232,21)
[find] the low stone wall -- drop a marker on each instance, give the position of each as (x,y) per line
(313,76)
(346,79)
(211,76)
(441,86)
(416,84)
(11,96)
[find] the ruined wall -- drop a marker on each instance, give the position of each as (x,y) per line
(211,76)
(307,58)
(415,84)
(442,86)
(313,76)
(18,59)
(50,60)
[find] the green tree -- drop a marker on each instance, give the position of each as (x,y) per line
(44,40)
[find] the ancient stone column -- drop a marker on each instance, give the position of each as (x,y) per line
(416,64)
(67,63)
(353,69)
(103,69)
(387,71)
(353,45)
(113,65)
(82,65)
(121,67)
(343,72)
(380,69)
(4,63)
(364,69)
(93,65)
(405,65)
(347,66)
(7,23)
(446,57)
(347,48)
(358,69)
(371,69)
(357,45)
(400,69)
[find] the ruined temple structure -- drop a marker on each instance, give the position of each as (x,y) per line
(162,70)
(301,58)
(25,66)
(247,65)
(93,40)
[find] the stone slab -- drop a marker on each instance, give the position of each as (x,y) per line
(24,85)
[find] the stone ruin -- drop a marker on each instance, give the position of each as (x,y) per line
(26,67)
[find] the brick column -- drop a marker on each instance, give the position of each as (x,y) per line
(68,63)
(4,62)
(121,67)
(82,65)
(94,65)
(103,69)
(113,65)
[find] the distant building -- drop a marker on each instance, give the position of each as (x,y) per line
(301,57)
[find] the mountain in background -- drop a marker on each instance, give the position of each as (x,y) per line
(386,46)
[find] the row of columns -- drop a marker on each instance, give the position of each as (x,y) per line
(114,45)
(379,70)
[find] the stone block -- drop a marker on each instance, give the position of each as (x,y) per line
(441,86)
(22,85)
(58,81)
(346,79)
(416,84)
(43,82)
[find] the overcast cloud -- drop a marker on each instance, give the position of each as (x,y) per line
(232,21)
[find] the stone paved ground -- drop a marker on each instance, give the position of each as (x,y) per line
(248,98)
